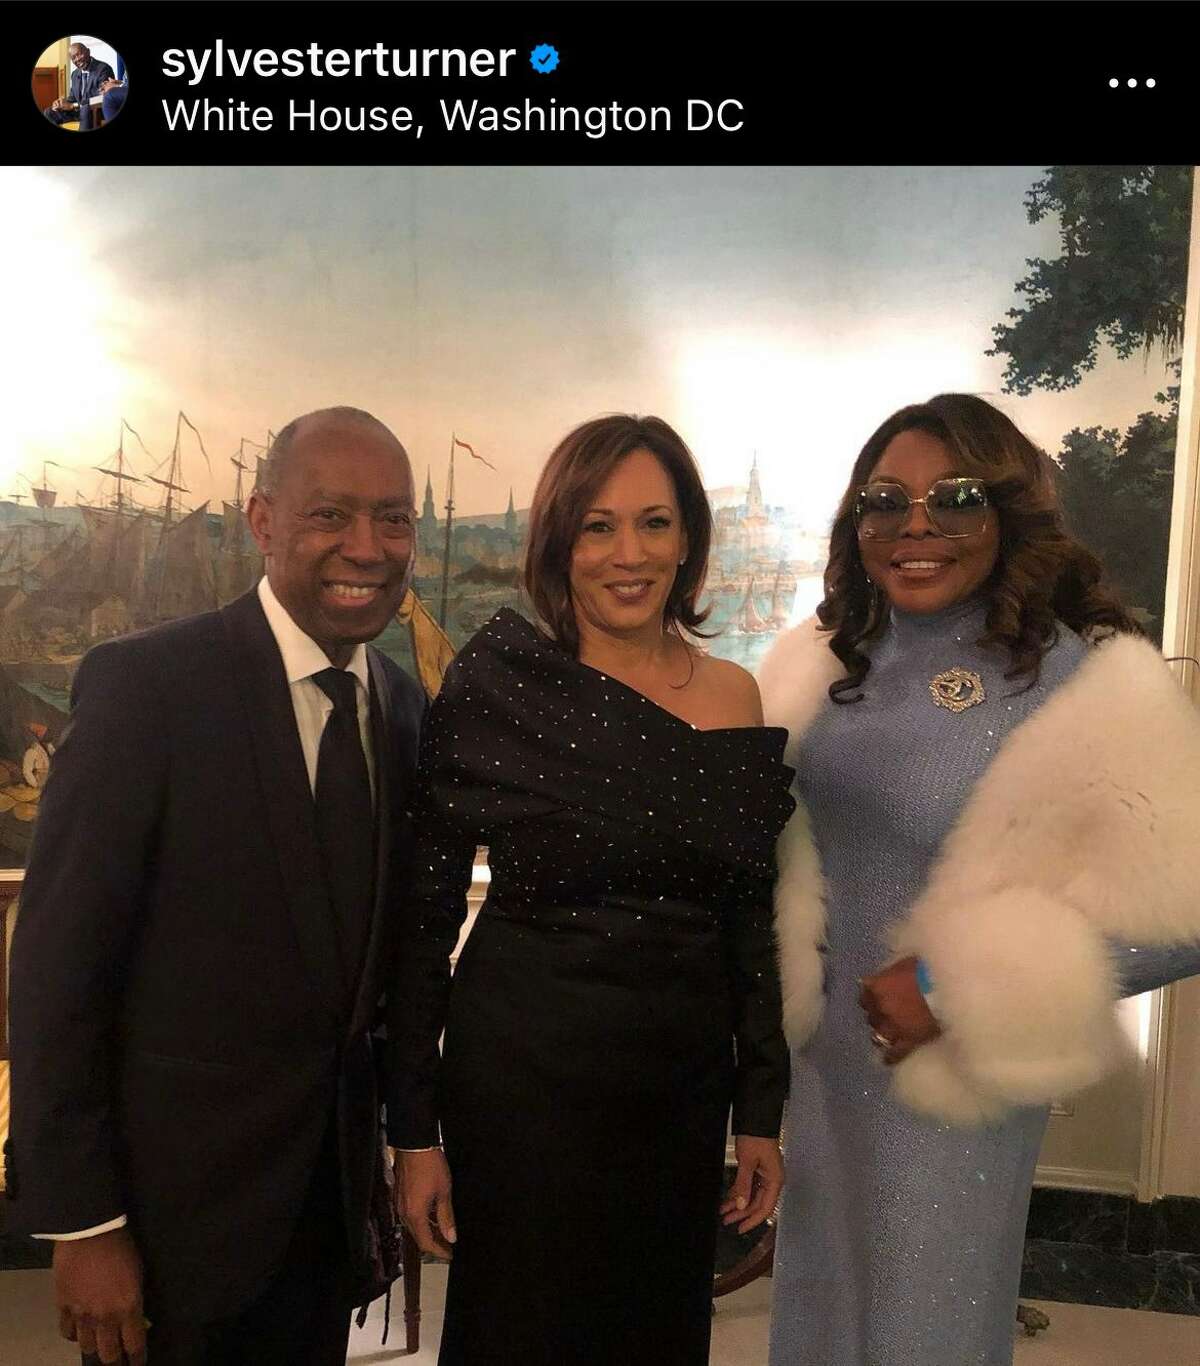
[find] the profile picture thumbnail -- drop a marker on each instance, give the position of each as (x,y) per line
(80,83)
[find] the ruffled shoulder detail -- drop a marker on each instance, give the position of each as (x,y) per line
(521,728)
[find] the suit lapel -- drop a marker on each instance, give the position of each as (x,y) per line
(286,797)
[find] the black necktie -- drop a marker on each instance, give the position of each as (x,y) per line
(345,820)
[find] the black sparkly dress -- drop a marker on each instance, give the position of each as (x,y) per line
(617,994)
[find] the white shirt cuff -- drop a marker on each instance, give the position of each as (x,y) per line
(119,1222)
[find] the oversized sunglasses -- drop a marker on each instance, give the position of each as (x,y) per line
(955,507)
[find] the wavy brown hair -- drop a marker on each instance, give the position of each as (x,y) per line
(578,467)
(1043,575)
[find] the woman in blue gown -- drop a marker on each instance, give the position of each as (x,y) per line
(991,846)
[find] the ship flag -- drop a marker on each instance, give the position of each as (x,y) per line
(199,438)
(140,442)
(472,451)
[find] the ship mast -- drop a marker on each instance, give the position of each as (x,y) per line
(233,536)
(45,496)
(748,617)
(446,552)
(169,483)
(174,474)
(238,463)
(119,474)
(261,459)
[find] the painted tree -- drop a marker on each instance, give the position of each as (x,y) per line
(1120,281)
(1116,493)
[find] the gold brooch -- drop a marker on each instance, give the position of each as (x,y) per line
(957,689)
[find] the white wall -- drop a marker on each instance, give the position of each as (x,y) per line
(1140,1130)
(1094,1142)
(1177,1156)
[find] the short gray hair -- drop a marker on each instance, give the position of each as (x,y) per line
(272,466)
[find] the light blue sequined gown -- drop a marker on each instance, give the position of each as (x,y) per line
(900,1239)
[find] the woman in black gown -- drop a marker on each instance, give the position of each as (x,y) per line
(619,991)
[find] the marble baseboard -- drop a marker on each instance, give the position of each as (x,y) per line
(1118,1222)
(1171,1225)
(1089,1248)
(1074,1273)
(1070,1216)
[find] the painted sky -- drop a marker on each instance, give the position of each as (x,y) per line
(777,311)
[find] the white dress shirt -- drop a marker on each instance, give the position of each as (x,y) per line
(302,657)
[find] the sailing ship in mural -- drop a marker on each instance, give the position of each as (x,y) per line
(131,556)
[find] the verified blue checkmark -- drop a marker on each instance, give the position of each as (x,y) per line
(543,59)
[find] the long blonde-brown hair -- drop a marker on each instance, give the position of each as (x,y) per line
(1043,575)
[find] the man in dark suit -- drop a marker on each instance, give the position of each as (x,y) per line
(202,927)
(89,74)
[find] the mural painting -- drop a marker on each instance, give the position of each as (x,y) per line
(483,313)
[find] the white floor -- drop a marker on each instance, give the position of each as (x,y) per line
(1078,1335)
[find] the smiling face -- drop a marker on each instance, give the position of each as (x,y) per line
(78,54)
(628,549)
(924,571)
(338,532)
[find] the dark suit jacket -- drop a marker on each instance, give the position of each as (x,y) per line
(86,83)
(182,1028)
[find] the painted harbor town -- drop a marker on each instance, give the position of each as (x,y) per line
(142,549)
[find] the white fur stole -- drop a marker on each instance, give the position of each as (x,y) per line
(1085,827)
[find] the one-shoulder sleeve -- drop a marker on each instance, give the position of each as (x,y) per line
(431,909)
